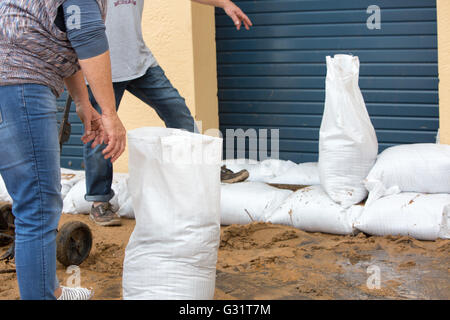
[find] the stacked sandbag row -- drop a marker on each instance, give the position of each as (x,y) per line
(409,193)
(408,185)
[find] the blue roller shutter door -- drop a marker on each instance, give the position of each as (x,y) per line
(273,76)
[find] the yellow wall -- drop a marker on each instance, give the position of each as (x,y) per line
(205,70)
(443,8)
(186,50)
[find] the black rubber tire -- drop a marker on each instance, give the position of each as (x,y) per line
(73,243)
(6,216)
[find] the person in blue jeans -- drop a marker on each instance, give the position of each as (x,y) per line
(40,51)
(135,69)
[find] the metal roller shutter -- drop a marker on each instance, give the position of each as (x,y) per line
(273,76)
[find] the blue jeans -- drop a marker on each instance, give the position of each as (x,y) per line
(155,90)
(30,167)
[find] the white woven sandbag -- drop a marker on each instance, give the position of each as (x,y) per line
(75,203)
(306,174)
(126,209)
(240,164)
(277,167)
(4,195)
(175,188)
(311,209)
(262,171)
(68,179)
(347,144)
(421,216)
(247,202)
(422,168)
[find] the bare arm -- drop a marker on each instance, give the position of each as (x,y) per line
(97,71)
(91,46)
(232,10)
(90,118)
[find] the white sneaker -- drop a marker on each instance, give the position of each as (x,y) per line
(69,293)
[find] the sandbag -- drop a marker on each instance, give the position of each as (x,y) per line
(247,202)
(68,179)
(305,174)
(347,141)
(421,216)
(262,171)
(175,188)
(4,195)
(74,202)
(126,209)
(311,209)
(422,168)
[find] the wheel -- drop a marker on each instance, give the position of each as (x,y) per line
(73,243)
(6,216)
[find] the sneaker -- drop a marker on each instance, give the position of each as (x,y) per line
(103,215)
(228,176)
(76,293)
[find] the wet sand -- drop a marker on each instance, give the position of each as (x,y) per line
(265,261)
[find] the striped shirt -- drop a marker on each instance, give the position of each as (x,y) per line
(32,48)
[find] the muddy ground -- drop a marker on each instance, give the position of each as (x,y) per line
(265,261)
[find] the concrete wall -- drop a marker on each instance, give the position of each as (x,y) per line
(443,7)
(181,36)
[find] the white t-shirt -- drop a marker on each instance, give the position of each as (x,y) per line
(130,56)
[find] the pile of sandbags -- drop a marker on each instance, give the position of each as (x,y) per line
(423,168)
(409,192)
(408,185)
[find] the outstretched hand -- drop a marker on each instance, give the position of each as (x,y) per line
(237,15)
